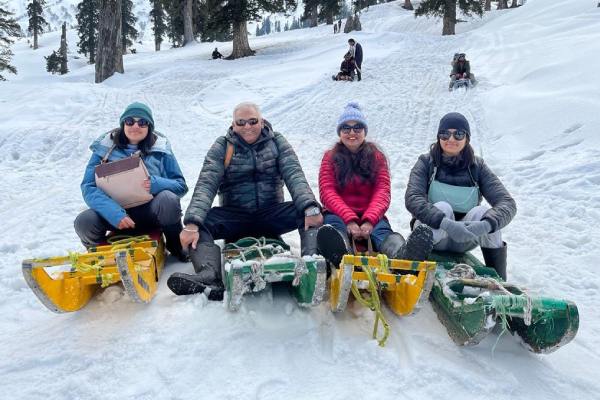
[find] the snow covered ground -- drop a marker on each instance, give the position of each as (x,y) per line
(534,117)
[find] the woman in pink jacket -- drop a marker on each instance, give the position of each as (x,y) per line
(354,183)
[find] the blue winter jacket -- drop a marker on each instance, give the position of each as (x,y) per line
(160,162)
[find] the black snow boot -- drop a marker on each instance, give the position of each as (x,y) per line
(207,264)
(418,245)
(496,258)
(184,284)
(173,243)
(308,242)
(332,244)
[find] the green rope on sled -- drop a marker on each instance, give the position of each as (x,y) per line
(374,304)
(79,266)
(124,241)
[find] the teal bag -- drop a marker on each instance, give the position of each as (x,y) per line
(461,198)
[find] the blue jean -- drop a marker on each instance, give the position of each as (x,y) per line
(380,231)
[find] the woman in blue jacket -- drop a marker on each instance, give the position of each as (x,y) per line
(166,183)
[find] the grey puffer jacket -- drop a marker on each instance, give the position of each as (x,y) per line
(254,177)
(417,203)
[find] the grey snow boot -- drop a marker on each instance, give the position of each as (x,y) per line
(393,245)
(496,258)
(308,242)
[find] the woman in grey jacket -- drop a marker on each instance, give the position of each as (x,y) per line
(445,190)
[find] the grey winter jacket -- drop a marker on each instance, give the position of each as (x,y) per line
(254,178)
(417,203)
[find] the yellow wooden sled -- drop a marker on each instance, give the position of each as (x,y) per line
(405,285)
(136,262)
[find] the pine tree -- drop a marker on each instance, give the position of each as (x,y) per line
(8,28)
(286,27)
(110,56)
(311,12)
(174,22)
(128,31)
(157,16)
(408,5)
(53,62)
(238,12)
(87,19)
(329,9)
(267,25)
(446,9)
(63,50)
(212,25)
(37,23)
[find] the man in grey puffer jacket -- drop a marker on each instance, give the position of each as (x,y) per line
(247,169)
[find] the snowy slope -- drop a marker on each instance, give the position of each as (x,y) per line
(532,116)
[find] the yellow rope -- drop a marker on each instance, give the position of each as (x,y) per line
(373,303)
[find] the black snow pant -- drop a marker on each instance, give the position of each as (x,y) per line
(163,212)
(232,223)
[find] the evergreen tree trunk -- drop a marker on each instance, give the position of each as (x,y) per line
(502,4)
(109,56)
(188,28)
(329,18)
(313,21)
(488,5)
(449,18)
(63,50)
(35,38)
(514,4)
(241,47)
(408,5)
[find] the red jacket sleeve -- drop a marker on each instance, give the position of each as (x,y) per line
(330,198)
(381,197)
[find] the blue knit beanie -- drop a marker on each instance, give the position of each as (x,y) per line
(138,110)
(352,112)
(456,121)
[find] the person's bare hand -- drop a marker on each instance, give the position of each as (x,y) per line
(126,223)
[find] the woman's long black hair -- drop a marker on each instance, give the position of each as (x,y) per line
(362,163)
(121,141)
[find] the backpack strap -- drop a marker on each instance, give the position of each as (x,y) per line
(228,154)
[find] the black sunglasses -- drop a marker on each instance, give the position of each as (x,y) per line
(142,123)
(243,122)
(356,128)
(458,135)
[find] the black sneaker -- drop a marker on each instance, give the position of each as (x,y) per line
(185,284)
(332,245)
(419,244)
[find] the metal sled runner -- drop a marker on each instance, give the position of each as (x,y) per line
(136,262)
(470,299)
(250,264)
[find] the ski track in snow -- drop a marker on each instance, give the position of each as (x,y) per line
(187,347)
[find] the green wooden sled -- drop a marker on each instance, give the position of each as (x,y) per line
(250,264)
(470,305)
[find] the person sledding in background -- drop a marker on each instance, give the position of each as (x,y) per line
(346,69)
(356,52)
(461,69)
(247,168)
(445,190)
(166,183)
(354,184)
